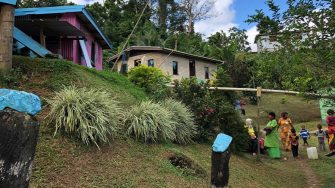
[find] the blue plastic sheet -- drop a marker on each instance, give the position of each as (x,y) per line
(20,101)
(222,142)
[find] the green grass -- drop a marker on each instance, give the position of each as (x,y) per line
(62,162)
(299,109)
(44,76)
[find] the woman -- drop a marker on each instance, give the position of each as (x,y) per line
(285,125)
(271,140)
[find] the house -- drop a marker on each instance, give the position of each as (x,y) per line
(175,63)
(68,32)
(270,43)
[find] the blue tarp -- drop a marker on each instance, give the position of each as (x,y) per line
(222,142)
(20,101)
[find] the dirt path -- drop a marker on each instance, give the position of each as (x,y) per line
(311,177)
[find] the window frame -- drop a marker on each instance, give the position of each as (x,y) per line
(153,62)
(137,62)
(175,71)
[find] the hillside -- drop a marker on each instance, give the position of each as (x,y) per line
(63,162)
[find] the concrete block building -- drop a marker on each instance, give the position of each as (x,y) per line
(174,63)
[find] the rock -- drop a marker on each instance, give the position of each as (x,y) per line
(18,139)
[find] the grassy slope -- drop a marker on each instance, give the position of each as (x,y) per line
(61,162)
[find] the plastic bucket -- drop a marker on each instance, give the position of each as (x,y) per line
(312,153)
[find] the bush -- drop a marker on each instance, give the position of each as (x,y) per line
(150,122)
(212,109)
(151,79)
(184,120)
(87,114)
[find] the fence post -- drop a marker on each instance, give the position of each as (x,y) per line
(18,139)
(6,36)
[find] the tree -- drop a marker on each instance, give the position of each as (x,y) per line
(303,64)
(196,10)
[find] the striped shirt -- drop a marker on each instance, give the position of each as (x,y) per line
(304,133)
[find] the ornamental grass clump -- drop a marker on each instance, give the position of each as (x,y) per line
(150,122)
(88,114)
(184,121)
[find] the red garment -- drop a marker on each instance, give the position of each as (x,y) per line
(294,139)
(261,143)
(331,137)
(330,120)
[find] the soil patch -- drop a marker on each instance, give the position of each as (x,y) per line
(186,164)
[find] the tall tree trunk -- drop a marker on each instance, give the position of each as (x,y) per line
(6,37)
(162,12)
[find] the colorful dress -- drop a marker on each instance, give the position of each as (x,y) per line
(285,126)
(272,140)
(331,132)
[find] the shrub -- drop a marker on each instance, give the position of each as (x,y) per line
(151,79)
(212,109)
(150,122)
(87,114)
(184,121)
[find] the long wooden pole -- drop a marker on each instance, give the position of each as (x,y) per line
(269,91)
(6,37)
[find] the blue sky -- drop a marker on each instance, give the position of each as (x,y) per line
(228,13)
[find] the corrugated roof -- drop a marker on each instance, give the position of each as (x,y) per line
(64,9)
(166,50)
(11,2)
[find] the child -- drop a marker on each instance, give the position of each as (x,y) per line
(294,142)
(304,134)
(321,134)
(261,143)
(253,138)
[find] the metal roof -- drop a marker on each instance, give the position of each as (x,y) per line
(11,2)
(167,50)
(65,9)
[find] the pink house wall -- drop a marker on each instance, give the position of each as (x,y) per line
(73,52)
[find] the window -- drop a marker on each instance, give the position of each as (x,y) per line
(273,38)
(93,53)
(206,73)
(137,62)
(175,67)
(151,62)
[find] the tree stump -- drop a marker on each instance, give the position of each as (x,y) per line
(18,139)
(220,169)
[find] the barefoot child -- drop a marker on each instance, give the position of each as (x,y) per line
(304,134)
(321,134)
(294,143)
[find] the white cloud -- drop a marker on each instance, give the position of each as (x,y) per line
(252,32)
(223,20)
(85,2)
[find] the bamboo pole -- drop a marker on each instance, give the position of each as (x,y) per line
(268,91)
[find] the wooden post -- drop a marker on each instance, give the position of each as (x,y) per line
(220,169)
(258,95)
(18,139)
(42,38)
(6,37)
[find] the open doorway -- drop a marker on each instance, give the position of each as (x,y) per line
(192,67)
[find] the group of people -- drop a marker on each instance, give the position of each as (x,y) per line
(282,133)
